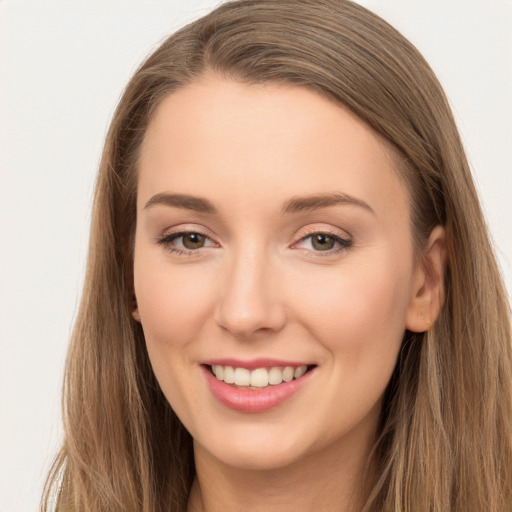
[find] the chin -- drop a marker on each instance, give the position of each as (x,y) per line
(255,458)
(256,450)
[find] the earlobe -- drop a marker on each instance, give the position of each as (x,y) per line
(135,307)
(427,291)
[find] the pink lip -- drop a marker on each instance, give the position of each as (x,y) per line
(256,400)
(253,363)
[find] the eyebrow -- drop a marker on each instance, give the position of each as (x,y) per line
(197,204)
(317,201)
(293,205)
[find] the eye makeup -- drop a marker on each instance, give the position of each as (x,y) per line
(192,242)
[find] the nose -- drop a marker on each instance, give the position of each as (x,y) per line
(250,300)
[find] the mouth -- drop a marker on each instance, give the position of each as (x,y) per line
(257,378)
(257,386)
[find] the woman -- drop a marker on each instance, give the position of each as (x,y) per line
(291,299)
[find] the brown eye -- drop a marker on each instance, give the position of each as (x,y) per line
(322,242)
(325,242)
(186,243)
(193,240)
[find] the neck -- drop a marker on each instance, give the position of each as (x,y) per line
(330,480)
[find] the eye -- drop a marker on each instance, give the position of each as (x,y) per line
(192,240)
(185,242)
(324,242)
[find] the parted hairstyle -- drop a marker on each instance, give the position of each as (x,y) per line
(444,442)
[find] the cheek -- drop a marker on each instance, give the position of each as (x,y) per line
(173,308)
(360,311)
(173,304)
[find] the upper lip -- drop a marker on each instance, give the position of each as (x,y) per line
(251,364)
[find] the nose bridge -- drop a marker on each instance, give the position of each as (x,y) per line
(249,301)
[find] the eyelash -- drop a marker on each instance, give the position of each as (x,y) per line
(168,240)
(343,243)
(167,243)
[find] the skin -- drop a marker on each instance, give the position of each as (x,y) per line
(260,288)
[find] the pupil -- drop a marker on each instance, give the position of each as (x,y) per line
(323,242)
(193,241)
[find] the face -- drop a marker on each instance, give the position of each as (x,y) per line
(273,237)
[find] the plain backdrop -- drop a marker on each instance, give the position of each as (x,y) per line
(63,66)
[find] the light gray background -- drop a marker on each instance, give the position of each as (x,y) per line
(63,66)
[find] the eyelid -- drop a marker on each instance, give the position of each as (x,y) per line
(325,229)
(167,238)
(344,241)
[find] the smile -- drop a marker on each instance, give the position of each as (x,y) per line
(259,377)
(256,389)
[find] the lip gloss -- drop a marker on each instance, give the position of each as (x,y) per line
(253,400)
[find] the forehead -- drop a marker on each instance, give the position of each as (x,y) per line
(236,143)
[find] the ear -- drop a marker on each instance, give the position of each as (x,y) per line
(135,307)
(427,291)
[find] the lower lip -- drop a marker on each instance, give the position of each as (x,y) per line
(254,400)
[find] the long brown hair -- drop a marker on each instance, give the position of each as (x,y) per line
(445,436)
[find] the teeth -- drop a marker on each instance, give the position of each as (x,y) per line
(242,377)
(288,374)
(299,371)
(259,377)
(229,375)
(219,371)
(275,376)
